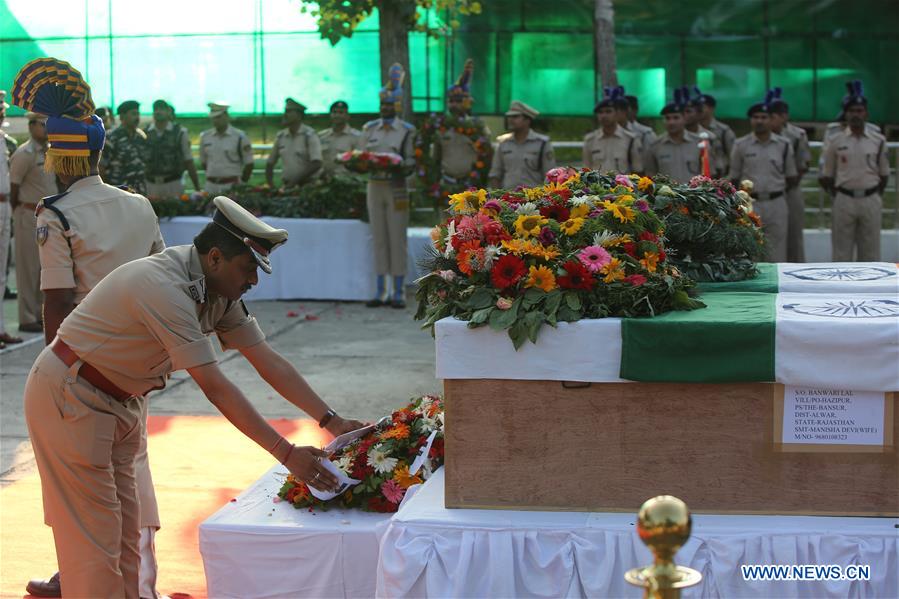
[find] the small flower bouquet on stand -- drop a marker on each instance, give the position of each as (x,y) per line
(364,162)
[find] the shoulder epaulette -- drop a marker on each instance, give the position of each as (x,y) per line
(48,204)
(408,125)
(372,123)
(125,188)
(503,137)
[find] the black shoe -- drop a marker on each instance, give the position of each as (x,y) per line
(7,294)
(32,327)
(45,588)
(375,303)
(398,304)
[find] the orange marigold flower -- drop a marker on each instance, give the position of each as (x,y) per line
(650,261)
(399,431)
(404,479)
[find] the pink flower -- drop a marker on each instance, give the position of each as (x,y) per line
(503,303)
(698,180)
(560,174)
(642,205)
(493,205)
(392,491)
(594,257)
(447,275)
(624,180)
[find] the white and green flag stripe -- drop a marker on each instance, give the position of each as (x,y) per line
(846,341)
(818,277)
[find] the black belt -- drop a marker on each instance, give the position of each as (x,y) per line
(222,180)
(764,197)
(859,193)
(162,179)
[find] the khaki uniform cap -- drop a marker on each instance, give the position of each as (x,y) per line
(260,237)
(217,108)
(521,108)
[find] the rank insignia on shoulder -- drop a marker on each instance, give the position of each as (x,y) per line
(41,233)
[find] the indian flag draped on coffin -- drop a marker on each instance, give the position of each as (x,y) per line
(817,277)
(845,341)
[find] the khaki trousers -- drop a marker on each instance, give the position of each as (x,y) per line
(28,265)
(162,191)
(388,215)
(217,188)
(774,215)
(795,225)
(84,443)
(856,224)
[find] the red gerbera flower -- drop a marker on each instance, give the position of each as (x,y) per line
(507,271)
(577,277)
(630,248)
(647,236)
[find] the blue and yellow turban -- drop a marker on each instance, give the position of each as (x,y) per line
(461,89)
(393,89)
(55,88)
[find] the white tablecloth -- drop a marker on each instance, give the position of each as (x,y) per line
(253,547)
(429,551)
(322,260)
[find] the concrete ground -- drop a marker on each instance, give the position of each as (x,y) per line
(363,362)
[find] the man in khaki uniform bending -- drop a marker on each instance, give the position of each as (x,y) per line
(337,139)
(612,147)
(83,235)
(298,148)
(225,152)
(84,396)
(387,195)
(855,171)
(523,156)
(766,160)
(29,182)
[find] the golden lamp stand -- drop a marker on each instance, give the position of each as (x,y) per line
(663,524)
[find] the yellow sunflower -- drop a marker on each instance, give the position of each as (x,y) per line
(613,271)
(468,202)
(550,188)
(529,225)
(541,277)
(572,226)
(626,199)
(623,213)
(533,193)
(516,246)
(549,253)
(644,183)
(580,211)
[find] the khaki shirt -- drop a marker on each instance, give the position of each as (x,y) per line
(296,151)
(525,163)
(335,143)
(856,162)
(104,227)
(679,161)
(4,163)
(397,137)
(645,134)
(26,169)
(799,140)
(153,316)
(225,154)
(727,138)
(767,165)
(620,152)
(457,153)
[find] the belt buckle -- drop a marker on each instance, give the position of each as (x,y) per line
(858,193)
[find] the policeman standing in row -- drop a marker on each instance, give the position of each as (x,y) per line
(338,138)
(168,154)
(721,130)
(387,194)
(82,236)
(693,111)
(297,146)
(225,152)
(29,183)
(611,147)
(779,112)
(644,133)
(124,159)
(676,153)
(455,150)
(767,160)
(93,375)
(7,147)
(855,173)
(522,156)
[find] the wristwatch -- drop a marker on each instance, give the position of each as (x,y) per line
(326,418)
